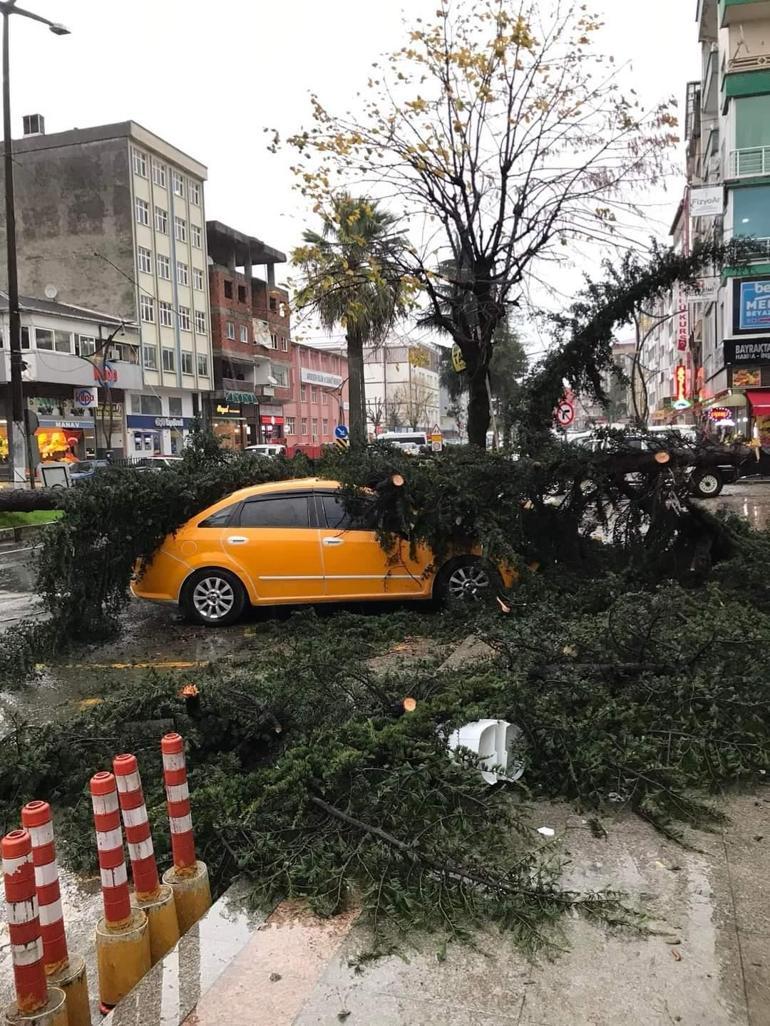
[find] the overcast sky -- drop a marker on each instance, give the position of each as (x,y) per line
(209,76)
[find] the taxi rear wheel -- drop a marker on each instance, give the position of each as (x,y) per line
(467,579)
(213,597)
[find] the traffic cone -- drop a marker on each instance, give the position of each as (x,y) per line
(155,899)
(35,1002)
(122,937)
(188,877)
(62,969)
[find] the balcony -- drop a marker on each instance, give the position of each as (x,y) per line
(735,12)
(749,163)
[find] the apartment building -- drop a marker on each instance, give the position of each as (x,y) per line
(113,218)
(714,353)
(251,338)
(402,386)
(319,397)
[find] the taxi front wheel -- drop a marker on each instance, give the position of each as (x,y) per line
(467,579)
(213,597)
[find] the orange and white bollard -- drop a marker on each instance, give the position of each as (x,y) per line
(36,1002)
(63,969)
(155,899)
(122,937)
(188,877)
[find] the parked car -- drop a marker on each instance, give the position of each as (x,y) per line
(293,542)
(412,442)
(84,470)
(157,462)
(271,450)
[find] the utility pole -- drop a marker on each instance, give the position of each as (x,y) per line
(19,449)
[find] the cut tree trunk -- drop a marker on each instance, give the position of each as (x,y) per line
(25,500)
(356,390)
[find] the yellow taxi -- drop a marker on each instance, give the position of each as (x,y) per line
(293,542)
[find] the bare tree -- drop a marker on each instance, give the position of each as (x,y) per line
(502,138)
(414,403)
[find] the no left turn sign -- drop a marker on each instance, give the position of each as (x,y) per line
(564,413)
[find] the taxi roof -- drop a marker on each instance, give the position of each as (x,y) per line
(293,484)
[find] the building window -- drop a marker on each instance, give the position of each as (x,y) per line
(195,235)
(147,309)
(285,345)
(142,211)
(273,340)
(140,163)
(164,267)
(273,304)
(289,425)
(145,260)
(315,427)
(303,393)
(180,229)
(325,425)
(751,211)
(203,365)
(150,357)
(324,398)
(161,220)
(280,374)
(198,279)
(43,339)
(244,333)
(25,338)
(85,345)
(182,273)
(177,181)
(228,290)
(313,395)
(149,405)
(187,363)
(169,360)
(175,405)
(241,293)
(195,193)
(200,322)
(184,318)
(166,314)
(159,174)
(304,425)
(230,329)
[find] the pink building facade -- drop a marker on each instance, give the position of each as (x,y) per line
(319,398)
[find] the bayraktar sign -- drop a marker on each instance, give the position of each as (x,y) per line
(744,352)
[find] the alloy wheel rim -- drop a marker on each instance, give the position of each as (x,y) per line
(213,598)
(468,582)
(709,484)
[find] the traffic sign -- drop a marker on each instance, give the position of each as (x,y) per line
(564,414)
(341,431)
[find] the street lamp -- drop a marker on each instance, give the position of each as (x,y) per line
(19,442)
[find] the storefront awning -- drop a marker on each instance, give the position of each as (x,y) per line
(760,403)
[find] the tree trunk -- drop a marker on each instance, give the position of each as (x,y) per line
(478,408)
(356,390)
(23,500)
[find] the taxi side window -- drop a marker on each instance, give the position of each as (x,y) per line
(277,511)
(338,518)
(221,518)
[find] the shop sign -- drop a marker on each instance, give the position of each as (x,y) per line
(314,377)
(240,397)
(702,290)
(105,375)
(751,302)
(680,386)
(707,201)
(226,410)
(742,351)
(66,425)
(86,398)
(66,409)
(138,420)
(683,323)
(720,413)
(271,421)
(747,377)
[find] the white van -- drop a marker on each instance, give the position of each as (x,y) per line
(269,450)
(412,442)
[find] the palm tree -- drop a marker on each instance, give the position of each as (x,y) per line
(352,277)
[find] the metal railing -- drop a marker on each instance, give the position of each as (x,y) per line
(749,163)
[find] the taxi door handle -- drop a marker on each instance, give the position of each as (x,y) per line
(237,539)
(333,541)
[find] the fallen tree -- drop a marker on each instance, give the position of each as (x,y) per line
(27,500)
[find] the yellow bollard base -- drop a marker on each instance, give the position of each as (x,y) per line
(192,894)
(122,957)
(73,981)
(54,1013)
(161,921)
